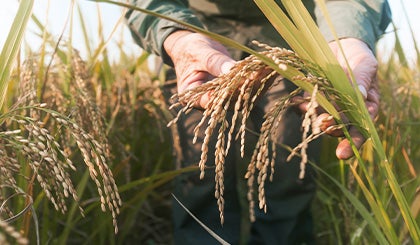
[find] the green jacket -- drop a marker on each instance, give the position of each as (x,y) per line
(362,19)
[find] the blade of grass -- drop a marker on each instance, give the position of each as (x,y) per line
(101,48)
(398,49)
(166,176)
(212,233)
(48,38)
(86,36)
(377,208)
(12,45)
(373,225)
(326,197)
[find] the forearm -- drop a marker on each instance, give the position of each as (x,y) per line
(364,20)
(150,32)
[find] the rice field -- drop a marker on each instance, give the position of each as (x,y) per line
(86,154)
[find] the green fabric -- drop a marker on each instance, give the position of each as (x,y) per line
(365,20)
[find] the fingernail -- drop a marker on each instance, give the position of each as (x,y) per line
(362,91)
(344,153)
(227,66)
(328,118)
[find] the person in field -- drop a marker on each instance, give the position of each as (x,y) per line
(197,58)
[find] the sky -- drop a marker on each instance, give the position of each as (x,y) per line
(54,14)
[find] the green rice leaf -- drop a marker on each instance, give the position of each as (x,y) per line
(12,45)
(373,224)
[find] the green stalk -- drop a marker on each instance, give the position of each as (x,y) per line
(377,209)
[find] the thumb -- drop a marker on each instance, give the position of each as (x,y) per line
(216,59)
(218,63)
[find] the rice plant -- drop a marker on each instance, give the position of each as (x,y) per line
(373,203)
(37,141)
(74,129)
(93,113)
(45,138)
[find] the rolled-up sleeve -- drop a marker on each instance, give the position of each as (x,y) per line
(365,20)
(149,32)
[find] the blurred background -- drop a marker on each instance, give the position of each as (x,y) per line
(55,14)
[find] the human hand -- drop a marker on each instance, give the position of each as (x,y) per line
(197,59)
(364,65)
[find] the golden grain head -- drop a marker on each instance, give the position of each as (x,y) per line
(237,92)
(47,138)
(8,231)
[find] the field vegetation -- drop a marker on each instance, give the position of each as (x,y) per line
(86,155)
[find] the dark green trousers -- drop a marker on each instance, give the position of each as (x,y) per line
(288,218)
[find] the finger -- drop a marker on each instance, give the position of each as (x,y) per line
(190,80)
(327,124)
(372,102)
(300,103)
(344,149)
(373,93)
(205,100)
(363,91)
(217,63)
(303,105)
(364,75)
